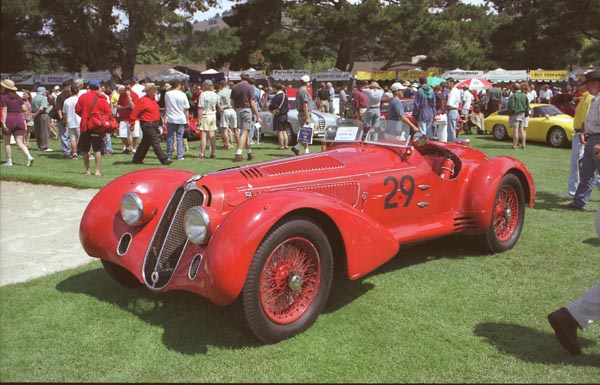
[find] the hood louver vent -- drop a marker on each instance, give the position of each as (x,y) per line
(313,163)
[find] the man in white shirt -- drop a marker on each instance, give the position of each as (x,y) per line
(72,120)
(176,117)
(454,98)
(467,100)
(207,112)
(228,123)
(137,87)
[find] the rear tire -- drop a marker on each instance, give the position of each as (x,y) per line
(508,215)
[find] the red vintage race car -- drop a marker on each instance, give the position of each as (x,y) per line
(271,234)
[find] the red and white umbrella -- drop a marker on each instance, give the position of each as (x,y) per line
(476,84)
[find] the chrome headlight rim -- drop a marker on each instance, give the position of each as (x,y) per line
(132,209)
(197,225)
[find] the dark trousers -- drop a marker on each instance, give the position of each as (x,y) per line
(150,138)
(41,126)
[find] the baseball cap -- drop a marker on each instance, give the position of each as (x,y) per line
(41,90)
(397,86)
(94,83)
(305,78)
(208,82)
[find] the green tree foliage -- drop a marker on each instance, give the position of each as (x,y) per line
(211,47)
(544,33)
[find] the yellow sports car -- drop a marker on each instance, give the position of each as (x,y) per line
(546,124)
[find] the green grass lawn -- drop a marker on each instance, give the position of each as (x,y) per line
(439,312)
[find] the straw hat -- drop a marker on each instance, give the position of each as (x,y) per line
(9,84)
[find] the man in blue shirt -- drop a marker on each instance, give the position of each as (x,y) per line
(396,115)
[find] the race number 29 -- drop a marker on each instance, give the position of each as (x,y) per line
(403,188)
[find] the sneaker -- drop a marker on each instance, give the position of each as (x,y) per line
(30,162)
(250,156)
(295,150)
(167,162)
(92,157)
(8,163)
(238,158)
(48,150)
(182,158)
(74,157)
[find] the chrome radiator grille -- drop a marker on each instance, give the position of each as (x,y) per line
(170,239)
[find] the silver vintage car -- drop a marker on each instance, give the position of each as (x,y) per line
(321,120)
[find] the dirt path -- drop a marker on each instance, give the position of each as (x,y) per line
(39,230)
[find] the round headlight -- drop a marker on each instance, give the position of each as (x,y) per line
(197,225)
(132,209)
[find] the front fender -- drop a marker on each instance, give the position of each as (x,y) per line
(232,247)
(485,182)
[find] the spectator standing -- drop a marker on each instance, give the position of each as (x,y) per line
(72,120)
(545,94)
(126,103)
(359,100)
(13,122)
(374,94)
(56,114)
(343,101)
(532,94)
(467,101)
(396,109)
(304,117)
(207,111)
(41,126)
(83,108)
(137,86)
(242,99)
(228,121)
(279,107)
(28,116)
(331,90)
(518,107)
(148,113)
(323,98)
(176,118)
(452,104)
(581,112)
(424,108)
(494,99)
(590,163)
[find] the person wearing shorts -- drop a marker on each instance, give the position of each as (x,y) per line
(72,121)
(518,106)
(127,100)
(13,122)
(83,108)
(228,123)
(242,99)
(207,112)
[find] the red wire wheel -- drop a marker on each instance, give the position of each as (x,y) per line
(508,215)
(290,280)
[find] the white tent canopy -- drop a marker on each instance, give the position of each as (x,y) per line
(459,74)
(168,74)
(501,75)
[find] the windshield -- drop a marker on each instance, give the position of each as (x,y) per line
(546,110)
(391,133)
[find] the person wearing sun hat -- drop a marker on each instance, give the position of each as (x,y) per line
(13,123)
(147,112)
(41,120)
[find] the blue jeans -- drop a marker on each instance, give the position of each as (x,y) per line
(426,128)
(175,131)
(63,136)
(588,167)
(452,116)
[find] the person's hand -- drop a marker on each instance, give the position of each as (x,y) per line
(259,120)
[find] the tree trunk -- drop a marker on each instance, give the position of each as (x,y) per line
(345,56)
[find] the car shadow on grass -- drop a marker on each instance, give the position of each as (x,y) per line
(534,346)
(190,323)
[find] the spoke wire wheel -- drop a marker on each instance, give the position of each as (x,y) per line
(557,137)
(290,280)
(506,213)
(500,132)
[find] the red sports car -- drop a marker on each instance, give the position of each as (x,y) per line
(271,234)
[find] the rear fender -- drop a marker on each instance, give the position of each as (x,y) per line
(485,182)
(231,249)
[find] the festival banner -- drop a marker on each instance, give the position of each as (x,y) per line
(376,75)
(548,75)
(416,74)
(289,75)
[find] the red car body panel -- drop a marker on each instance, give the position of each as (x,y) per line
(369,199)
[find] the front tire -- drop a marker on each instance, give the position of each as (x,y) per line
(508,215)
(500,132)
(120,274)
(288,281)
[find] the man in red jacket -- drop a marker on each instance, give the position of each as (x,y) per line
(148,113)
(87,139)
